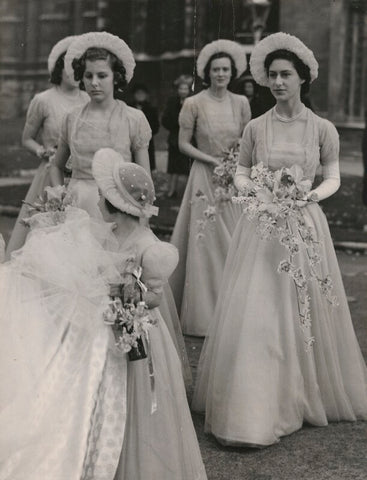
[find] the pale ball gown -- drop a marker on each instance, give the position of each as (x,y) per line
(257,382)
(216,125)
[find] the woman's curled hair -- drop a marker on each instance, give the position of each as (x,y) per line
(56,74)
(215,56)
(96,53)
(301,68)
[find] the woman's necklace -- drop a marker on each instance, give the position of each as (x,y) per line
(288,119)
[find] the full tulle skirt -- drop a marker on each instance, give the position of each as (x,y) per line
(20,231)
(195,282)
(72,405)
(257,381)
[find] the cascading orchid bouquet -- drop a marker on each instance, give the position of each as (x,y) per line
(275,200)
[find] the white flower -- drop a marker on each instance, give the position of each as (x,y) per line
(55,193)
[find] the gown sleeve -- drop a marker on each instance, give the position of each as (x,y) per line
(142,132)
(65,130)
(246,111)
(36,115)
(329,159)
(188,115)
(247,145)
(158,262)
(329,150)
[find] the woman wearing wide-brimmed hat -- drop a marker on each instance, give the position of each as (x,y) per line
(42,129)
(104,65)
(260,377)
(214,120)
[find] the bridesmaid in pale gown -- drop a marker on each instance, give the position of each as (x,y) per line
(93,414)
(104,64)
(42,129)
(214,119)
(256,380)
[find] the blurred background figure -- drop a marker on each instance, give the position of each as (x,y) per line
(141,101)
(249,89)
(178,163)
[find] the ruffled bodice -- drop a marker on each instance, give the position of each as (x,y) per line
(313,141)
(216,125)
(126,131)
(47,110)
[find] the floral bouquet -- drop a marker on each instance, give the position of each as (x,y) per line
(128,314)
(275,201)
(224,189)
(54,202)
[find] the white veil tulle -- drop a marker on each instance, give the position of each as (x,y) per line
(56,284)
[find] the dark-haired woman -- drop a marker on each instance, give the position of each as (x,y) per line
(215,118)
(42,129)
(104,65)
(257,381)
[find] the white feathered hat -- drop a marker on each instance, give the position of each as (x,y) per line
(280,41)
(57,50)
(233,49)
(105,40)
(126,185)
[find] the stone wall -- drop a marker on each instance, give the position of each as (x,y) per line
(310,21)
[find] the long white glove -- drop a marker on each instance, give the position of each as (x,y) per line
(330,183)
(242,180)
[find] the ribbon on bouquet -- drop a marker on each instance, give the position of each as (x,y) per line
(137,273)
(153,392)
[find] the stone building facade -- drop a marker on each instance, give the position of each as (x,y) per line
(166,35)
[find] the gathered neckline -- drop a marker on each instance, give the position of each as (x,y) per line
(217,99)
